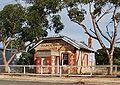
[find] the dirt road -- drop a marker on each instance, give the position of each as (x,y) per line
(58,80)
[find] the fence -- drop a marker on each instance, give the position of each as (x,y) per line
(60,70)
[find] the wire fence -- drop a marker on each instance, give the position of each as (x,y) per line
(60,70)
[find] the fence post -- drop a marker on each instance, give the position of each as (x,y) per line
(68,70)
(115,68)
(91,71)
(60,71)
(24,69)
(41,69)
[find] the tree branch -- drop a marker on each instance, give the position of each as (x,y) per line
(11,58)
(94,26)
(107,11)
(85,28)
(95,29)
(112,46)
(118,42)
(102,33)
(90,7)
(92,31)
(108,31)
(8,42)
(117,39)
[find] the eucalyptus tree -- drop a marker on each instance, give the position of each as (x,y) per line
(40,16)
(98,11)
(45,13)
(11,19)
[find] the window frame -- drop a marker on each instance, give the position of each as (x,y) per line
(65,59)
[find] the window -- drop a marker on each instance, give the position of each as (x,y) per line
(65,58)
(43,62)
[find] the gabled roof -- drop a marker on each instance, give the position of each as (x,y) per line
(78,45)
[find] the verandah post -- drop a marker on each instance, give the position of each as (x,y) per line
(60,71)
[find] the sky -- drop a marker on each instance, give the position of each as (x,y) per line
(71,29)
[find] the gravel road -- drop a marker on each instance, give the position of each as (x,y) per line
(9,82)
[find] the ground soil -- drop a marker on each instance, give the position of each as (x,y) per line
(81,80)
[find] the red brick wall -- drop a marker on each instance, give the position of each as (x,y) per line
(38,61)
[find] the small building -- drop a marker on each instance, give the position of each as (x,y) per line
(63,51)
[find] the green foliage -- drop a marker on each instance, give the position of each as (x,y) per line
(11,18)
(27,58)
(118,17)
(73,3)
(17,44)
(76,10)
(76,14)
(29,24)
(36,24)
(75,7)
(50,6)
(97,11)
(115,2)
(117,56)
(42,15)
(70,3)
(102,59)
(57,25)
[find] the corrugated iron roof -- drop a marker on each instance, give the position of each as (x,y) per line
(78,45)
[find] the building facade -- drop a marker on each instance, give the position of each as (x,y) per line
(62,51)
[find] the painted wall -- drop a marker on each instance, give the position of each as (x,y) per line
(58,48)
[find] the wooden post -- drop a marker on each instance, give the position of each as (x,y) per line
(41,69)
(91,71)
(115,68)
(53,64)
(69,70)
(60,71)
(24,69)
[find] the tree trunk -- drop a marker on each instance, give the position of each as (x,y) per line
(110,70)
(5,61)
